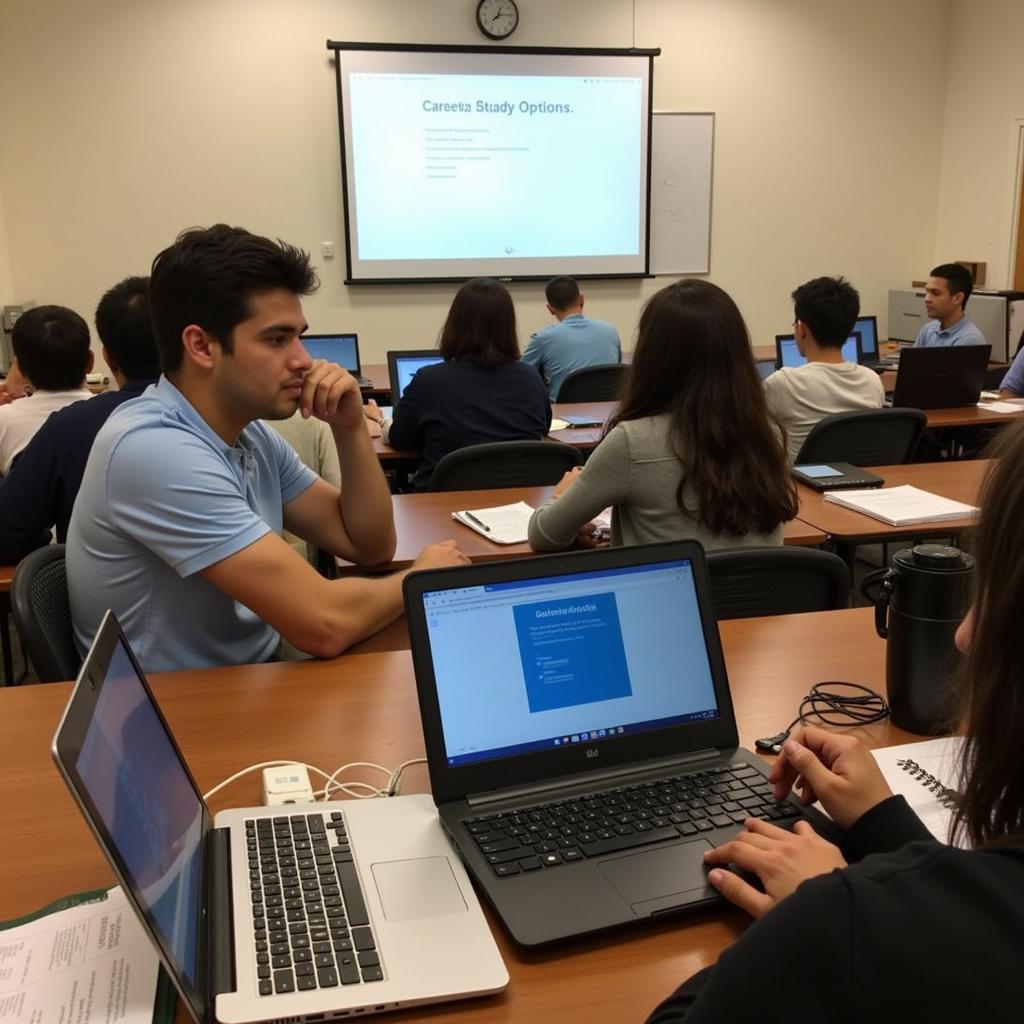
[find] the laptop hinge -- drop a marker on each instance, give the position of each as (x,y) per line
(220,938)
(593,779)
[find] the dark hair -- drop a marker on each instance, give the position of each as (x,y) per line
(957,277)
(208,276)
(562,293)
(51,344)
(693,360)
(992,690)
(481,325)
(829,307)
(126,329)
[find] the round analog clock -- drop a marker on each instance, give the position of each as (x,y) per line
(497,19)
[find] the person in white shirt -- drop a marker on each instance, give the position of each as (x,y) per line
(52,353)
(825,309)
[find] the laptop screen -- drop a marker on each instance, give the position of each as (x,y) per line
(868,328)
(131,774)
(553,661)
(407,367)
(789,354)
(342,349)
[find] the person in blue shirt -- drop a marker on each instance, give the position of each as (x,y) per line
(1012,385)
(178,520)
(573,343)
(38,493)
(945,299)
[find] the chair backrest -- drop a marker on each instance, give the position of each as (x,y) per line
(993,378)
(602,383)
(865,437)
(42,613)
(747,582)
(504,464)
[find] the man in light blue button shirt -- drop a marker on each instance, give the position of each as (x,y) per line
(945,298)
(177,523)
(575,342)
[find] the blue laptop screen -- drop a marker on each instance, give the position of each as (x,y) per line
(141,791)
(407,367)
(791,354)
(868,328)
(340,348)
(540,663)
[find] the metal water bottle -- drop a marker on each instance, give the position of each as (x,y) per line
(924,597)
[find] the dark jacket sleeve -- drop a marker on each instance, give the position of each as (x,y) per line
(404,433)
(29,498)
(885,828)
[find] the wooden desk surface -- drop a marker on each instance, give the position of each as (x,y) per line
(363,707)
(426,518)
(970,416)
(960,481)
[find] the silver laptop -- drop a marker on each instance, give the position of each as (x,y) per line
(580,734)
(303,912)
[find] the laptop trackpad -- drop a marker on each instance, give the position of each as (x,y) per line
(660,879)
(413,889)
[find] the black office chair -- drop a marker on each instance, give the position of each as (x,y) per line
(602,383)
(504,464)
(993,378)
(42,614)
(865,437)
(747,582)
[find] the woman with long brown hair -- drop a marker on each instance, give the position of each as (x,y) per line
(916,929)
(692,451)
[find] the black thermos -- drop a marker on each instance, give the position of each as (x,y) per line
(924,597)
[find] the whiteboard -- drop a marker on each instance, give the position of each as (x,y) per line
(682,150)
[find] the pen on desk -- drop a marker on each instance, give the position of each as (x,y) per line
(473,519)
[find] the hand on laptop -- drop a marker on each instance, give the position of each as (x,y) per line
(332,394)
(780,859)
(438,556)
(837,770)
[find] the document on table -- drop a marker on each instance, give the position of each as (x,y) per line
(901,506)
(82,960)
(1004,406)
(503,524)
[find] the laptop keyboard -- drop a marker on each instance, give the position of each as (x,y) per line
(548,835)
(308,911)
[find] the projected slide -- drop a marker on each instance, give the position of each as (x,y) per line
(572,652)
(494,163)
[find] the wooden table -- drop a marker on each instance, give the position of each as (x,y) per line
(959,480)
(969,416)
(426,518)
(363,707)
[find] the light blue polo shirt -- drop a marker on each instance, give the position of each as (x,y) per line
(572,344)
(963,332)
(1014,379)
(163,497)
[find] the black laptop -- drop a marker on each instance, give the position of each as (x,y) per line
(940,378)
(580,736)
(342,349)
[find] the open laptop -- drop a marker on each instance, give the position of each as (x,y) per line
(403,365)
(306,912)
(342,349)
(940,378)
(788,354)
(580,734)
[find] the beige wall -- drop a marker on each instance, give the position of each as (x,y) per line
(127,120)
(984,114)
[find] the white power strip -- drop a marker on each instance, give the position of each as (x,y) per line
(286,784)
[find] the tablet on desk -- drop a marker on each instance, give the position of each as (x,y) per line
(834,476)
(577,421)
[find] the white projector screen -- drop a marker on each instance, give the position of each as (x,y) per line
(496,162)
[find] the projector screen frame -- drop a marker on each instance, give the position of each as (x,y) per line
(334,46)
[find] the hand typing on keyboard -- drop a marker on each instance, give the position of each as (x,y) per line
(781,860)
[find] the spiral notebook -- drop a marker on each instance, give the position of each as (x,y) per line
(926,775)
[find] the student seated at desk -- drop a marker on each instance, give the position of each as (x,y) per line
(946,292)
(692,451)
(482,392)
(178,520)
(825,311)
(916,930)
(1012,385)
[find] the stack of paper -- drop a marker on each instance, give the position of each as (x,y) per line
(902,506)
(926,775)
(505,524)
(1005,406)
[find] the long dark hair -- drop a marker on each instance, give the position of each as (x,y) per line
(481,325)
(693,360)
(992,769)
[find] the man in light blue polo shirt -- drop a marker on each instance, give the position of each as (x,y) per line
(945,298)
(574,342)
(178,520)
